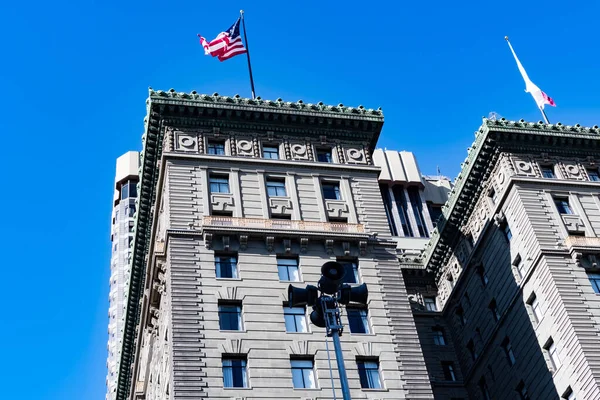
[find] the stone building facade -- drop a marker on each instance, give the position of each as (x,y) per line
(505,295)
(238,199)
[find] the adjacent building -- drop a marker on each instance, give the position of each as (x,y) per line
(121,237)
(483,288)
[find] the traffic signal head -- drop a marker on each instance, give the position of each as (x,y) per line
(302,296)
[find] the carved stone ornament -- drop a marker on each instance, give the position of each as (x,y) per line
(356,156)
(329,246)
(225,243)
(270,243)
(500,219)
(523,167)
(245,147)
(243,242)
(208,238)
(303,244)
(362,245)
(186,142)
(221,201)
(299,151)
(287,246)
(346,247)
(573,171)
(573,223)
(280,205)
(336,208)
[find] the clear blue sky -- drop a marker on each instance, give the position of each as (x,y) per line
(75,75)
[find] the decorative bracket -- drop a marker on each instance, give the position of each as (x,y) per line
(208,238)
(303,244)
(362,245)
(346,246)
(270,242)
(329,246)
(225,243)
(243,242)
(287,245)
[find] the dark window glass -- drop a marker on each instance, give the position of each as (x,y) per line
(508,351)
(303,374)
(482,275)
(276,188)
(350,272)
(562,205)
(271,152)
(507,233)
(484,389)
(417,206)
(226,266)
(548,171)
(430,303)
(219,184)
(435,212)
(295,319)
(368,371)
(216,148)
(324,155)
(593,174)
(331,191)
(494,309)
(439,338)
(594,278)
(461,315)
(387,202)
(234,372)
(522,391)
(287,268)
(472,351)
(358,320)
(402,207)
(448,368)
(230,317)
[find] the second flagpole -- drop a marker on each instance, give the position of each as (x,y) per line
(248,54)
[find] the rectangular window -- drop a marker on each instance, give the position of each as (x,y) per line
(358,320)
(548,171)
(482,275)
(568,394)
(324,155)
(507,233)
(350,271)
(520,265)
(448,368)
(219,184)
(536,310)
(550,348)
(472,351)
(226,266)
(430,303)
(288,269)
(276,188)
(522,391)
(562,205)
(494,309)
(485,392)
(387,202)
(271,152)
(402,207)
(368,371)
(594,278)
(417,206)
(461,315)
(331,191)
(439,338)
(216,148)
(230,317)
(493,195)
(508,351)
(303,374)
(593,174)
(435,212)
(295,319)
(234,372)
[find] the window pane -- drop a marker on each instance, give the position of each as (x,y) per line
(124,191)
(276,189)
(548,172)
(216,148)
(230,317)
(271,152)
(595,281)
(295,319)
(563,207)
(324,156)
(417,206)
(368,371)
(402,208)
(234,373)
(331,191)
(226,267)
(350,272)
(357,320)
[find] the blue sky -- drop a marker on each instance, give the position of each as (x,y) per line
(75,75)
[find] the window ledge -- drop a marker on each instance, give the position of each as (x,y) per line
(299,333)
(233,330)
(238,388)
(311,389)
(374,390)
(229,279)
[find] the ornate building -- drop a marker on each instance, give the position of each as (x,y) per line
(238,198)
(506,294)
(121,236)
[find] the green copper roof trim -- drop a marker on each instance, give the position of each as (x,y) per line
(258,104)
(455,211)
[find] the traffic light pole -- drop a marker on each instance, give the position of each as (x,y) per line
(331,310)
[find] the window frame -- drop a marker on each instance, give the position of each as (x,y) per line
(472,350)
(275,186)
(483,387)
(336,190)
(358,313)
(521,389)
(594,278)
(282,264)
(482,275)
(507,233)
(312,376)
(438,333)
(289,312)
(354,266)
(328,151)
(215,177)
(548,167)
(432,302)
(493,306)
(239,313)
(243,359)
(449,371)
(563,206)
(235,273)
(212,143)
(366,371)
(552,352)
(508,351)
(271,146)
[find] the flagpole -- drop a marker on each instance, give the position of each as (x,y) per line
(248,54)
(544,115)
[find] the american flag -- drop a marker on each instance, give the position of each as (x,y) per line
(226,45)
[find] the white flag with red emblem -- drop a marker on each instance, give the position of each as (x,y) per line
(539,96)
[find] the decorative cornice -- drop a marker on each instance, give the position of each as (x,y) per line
(491,136)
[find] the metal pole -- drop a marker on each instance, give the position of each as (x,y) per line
(248,53)
(340,363)
(544,115)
